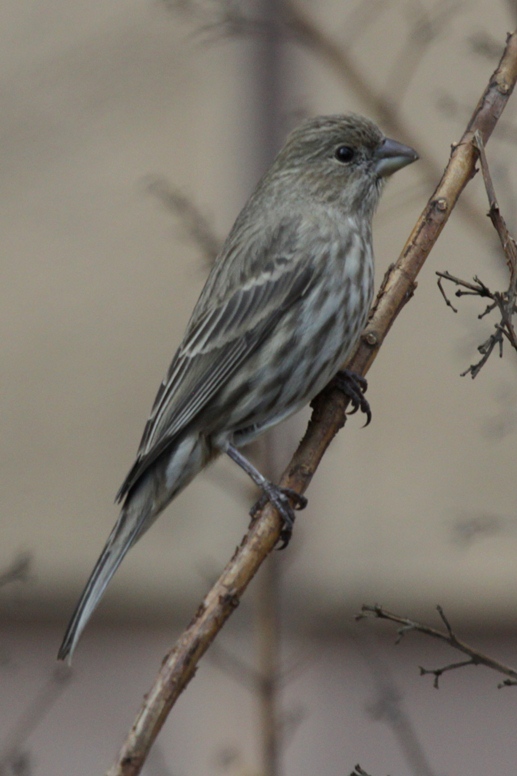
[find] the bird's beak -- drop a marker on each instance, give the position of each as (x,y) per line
(391,156)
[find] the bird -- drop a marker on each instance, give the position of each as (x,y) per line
(281,310)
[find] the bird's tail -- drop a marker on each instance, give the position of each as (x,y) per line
(121,539)
(150,495)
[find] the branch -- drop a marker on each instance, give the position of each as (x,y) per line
(193,220)
(358,771)
(507,242)
(18,571)
(388,707)
(380,102)
(504,301)
(14,754)
(295,23)
(180,665)
(474,656)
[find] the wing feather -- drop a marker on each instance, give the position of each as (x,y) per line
(216,344)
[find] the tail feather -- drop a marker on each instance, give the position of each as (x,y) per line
(120,541)
(144,502)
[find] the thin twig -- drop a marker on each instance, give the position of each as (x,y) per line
(449,637)
(180,665)
(358,771)
(507,242)
(504,301)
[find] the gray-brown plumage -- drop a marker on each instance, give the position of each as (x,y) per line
(280,312)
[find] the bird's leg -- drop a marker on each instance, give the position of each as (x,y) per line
(354,386)
(281,498)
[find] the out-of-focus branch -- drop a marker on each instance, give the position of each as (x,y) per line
(388,707)
(475,657)
(14,755)
(269,656)
(180,665)
(358,771)
(425,27)
(342,63)
(18,571)
(192,219)
(229,19)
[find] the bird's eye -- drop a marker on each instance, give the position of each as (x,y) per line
(344,154)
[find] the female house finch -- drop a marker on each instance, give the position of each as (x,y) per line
(279,314)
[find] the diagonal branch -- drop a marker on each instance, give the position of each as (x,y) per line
(475,657)
(504,301)
(180,665)
(296,23)
(379,102)
(507,242)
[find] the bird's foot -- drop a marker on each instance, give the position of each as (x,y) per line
(354,387)
(285,500)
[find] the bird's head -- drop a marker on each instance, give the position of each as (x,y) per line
(342,159)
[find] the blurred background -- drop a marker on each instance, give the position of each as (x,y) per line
(131,136)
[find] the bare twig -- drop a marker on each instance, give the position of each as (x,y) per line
(478,288)
(180,665)
(504,301)
(475,657)
(507,242)
(358,771)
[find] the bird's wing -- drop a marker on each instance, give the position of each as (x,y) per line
(215,345)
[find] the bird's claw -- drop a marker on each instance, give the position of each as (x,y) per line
(354,387)
(285,500)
